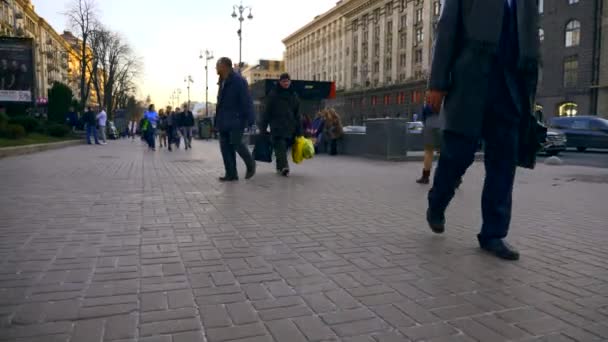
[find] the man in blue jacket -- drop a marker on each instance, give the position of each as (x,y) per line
(234,113)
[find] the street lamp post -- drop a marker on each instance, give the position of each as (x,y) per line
(240,8)
(208,56)
(188,80)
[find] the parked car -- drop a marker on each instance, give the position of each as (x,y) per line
(583,132)
(415,127)
(555,143)
(354,129)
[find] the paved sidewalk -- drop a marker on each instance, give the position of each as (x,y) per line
(115,243)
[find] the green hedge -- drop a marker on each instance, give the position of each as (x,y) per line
(57,130)
(29,123)
(13,131)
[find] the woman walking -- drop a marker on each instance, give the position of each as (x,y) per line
(151,116)
(332,130)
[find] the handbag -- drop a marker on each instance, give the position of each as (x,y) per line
(262,149)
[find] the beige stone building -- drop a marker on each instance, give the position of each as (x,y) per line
(18,18)
(377,51)
(264,69)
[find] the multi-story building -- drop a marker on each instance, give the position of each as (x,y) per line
(18,18)
(263,70)
(377,51)
(574,43)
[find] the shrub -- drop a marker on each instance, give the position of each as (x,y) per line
(27,122)
(3,121)
(13,131)
(58,130)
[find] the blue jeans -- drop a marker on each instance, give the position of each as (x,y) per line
(91,131)
(500,134)
(151,137)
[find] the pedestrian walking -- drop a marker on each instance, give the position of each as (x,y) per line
(178,122)
(234,112)
(151,117)
(484,70)
(162,128)
(102,118)
(332,131)
(187,125)
(282,114)
(90,122)
(72,119)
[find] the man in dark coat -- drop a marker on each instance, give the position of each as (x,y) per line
(283,115)
(187,124)
(234,112)
(484,70)
(90,120)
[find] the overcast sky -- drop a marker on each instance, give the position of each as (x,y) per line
(169,35)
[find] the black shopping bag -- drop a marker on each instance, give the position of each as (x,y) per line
(262,150)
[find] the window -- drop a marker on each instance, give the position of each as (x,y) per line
(541,6)
(570,72)
(419,16)
(389,63)
(419,35)
(387,99)
(374,100)
(389,8)
(541,34)
(402,60)
(573,33)
(437,8)
(572,2)
(580,124)
(418,56)
(402,40)
(402,22)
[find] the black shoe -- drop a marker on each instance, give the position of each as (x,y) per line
(250,172)
(285,172)
(229,179)
(500,249)
(436,222)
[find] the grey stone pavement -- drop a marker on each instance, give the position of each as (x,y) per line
(116,243)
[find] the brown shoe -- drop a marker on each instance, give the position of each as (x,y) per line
(426,177)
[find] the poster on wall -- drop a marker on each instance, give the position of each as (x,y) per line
(16,70)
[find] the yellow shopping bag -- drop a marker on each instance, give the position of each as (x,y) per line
(296,150)
(308,151)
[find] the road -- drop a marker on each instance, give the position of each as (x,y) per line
(594,158)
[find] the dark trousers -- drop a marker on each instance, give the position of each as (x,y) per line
(231,143)
(500,134)
(92,131)
(170,135)
(151,137)
(279,144)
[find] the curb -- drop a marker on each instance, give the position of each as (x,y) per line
(28,149)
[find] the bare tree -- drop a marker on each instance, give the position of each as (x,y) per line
(114,68)
(81,16)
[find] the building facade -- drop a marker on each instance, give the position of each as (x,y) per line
(263,70)
(57,57)
(377,51)
(574,43)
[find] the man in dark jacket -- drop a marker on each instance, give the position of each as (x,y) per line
(234,112)
(283,115)
(90,120)
(484,71)
(187,124)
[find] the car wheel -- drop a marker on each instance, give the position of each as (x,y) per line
(581,149)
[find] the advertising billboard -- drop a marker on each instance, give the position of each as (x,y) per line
(17,80)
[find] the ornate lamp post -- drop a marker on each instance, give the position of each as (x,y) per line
(208,56)
(240,8)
